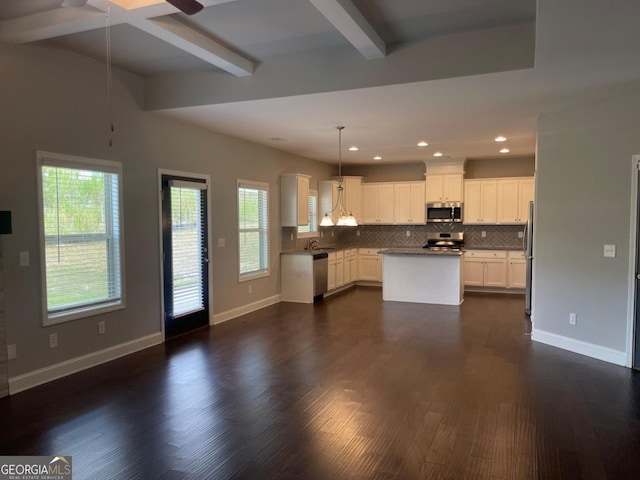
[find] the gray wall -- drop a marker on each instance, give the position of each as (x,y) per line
(55,101)
(583,202)
(500,167)
(400,172)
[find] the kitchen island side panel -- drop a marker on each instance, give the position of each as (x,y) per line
(436,279)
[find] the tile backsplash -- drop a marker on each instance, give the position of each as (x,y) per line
(496,236)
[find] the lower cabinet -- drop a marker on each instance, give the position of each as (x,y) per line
(343,268)
(494,268)
(369,265)
(485,268)
(517,270)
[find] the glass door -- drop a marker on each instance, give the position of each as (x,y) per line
(186,256)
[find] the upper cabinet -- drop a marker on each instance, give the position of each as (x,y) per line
(495,201)
(480,202)
(444,187)
(377,199)
(352,193)
(514,195)
(294,199)
(409,200)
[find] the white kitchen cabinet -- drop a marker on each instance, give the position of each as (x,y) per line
(354,264)
(294,199)
(377,199)
(339,269)
(514,195)
(516,270)
(444,187)
(480,202)
(369,265)
(485,268)
(409,203)
(346,267)
(352,196)
(331,272)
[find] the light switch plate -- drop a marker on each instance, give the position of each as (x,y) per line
(24,259)
(12,351)
(610,251)
(221,242)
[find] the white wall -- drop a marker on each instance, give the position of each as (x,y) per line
(55,101)
(583,202)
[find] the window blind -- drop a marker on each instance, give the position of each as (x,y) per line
(81,235)
(312,226)
(187,246)
(253,228)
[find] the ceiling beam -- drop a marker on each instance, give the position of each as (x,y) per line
(49,24)
(348,20)
(150,16)
(173,31)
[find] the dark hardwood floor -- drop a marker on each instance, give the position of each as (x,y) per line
(350,388)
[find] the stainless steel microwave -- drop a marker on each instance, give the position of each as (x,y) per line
(444,212)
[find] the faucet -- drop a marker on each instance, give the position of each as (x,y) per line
(313,244)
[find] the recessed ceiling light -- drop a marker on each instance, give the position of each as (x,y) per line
(437,154)
(504,150)
(353,149)
(377,157)
(423,144)
(501,139)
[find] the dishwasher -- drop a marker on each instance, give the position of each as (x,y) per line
(320,273)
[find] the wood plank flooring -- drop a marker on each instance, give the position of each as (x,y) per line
(351,388)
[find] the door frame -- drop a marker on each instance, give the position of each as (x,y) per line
(632,329)
(207,179)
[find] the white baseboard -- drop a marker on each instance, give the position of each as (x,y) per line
(244,309)
(599,352)
(68,367)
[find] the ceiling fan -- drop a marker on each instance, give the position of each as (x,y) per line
(188,7)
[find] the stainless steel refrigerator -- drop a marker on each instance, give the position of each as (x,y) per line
(528,256)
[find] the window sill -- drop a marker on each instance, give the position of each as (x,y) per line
(252,276)
(79,313)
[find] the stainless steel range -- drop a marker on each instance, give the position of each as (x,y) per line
(444,241)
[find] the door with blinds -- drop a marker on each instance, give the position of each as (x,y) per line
(185,254)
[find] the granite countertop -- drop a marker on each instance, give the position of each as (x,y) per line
(419,251)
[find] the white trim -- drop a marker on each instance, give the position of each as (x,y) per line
(244,309)
(633,241)
(97,165)
(69,367)
(599,352)
(207,179)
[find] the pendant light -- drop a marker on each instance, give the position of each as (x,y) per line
(345,218)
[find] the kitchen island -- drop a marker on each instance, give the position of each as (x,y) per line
(422,276)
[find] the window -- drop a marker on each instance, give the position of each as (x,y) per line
(81,236)
(311,229)
(253,229)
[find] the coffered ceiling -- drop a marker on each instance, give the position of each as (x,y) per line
(284,73)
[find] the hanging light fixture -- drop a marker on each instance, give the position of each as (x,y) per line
(345,218)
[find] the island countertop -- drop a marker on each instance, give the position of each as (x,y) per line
(418,251)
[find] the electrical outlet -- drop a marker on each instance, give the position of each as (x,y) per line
(12,351)
(483,233)
(331,234)
(572,318)
(250,288)
(357,233)
(520,234)
(408,233)
(221,242)
(53,340)
(292,236)
(321,234)
(102,328)
(24,259)
(610,251)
